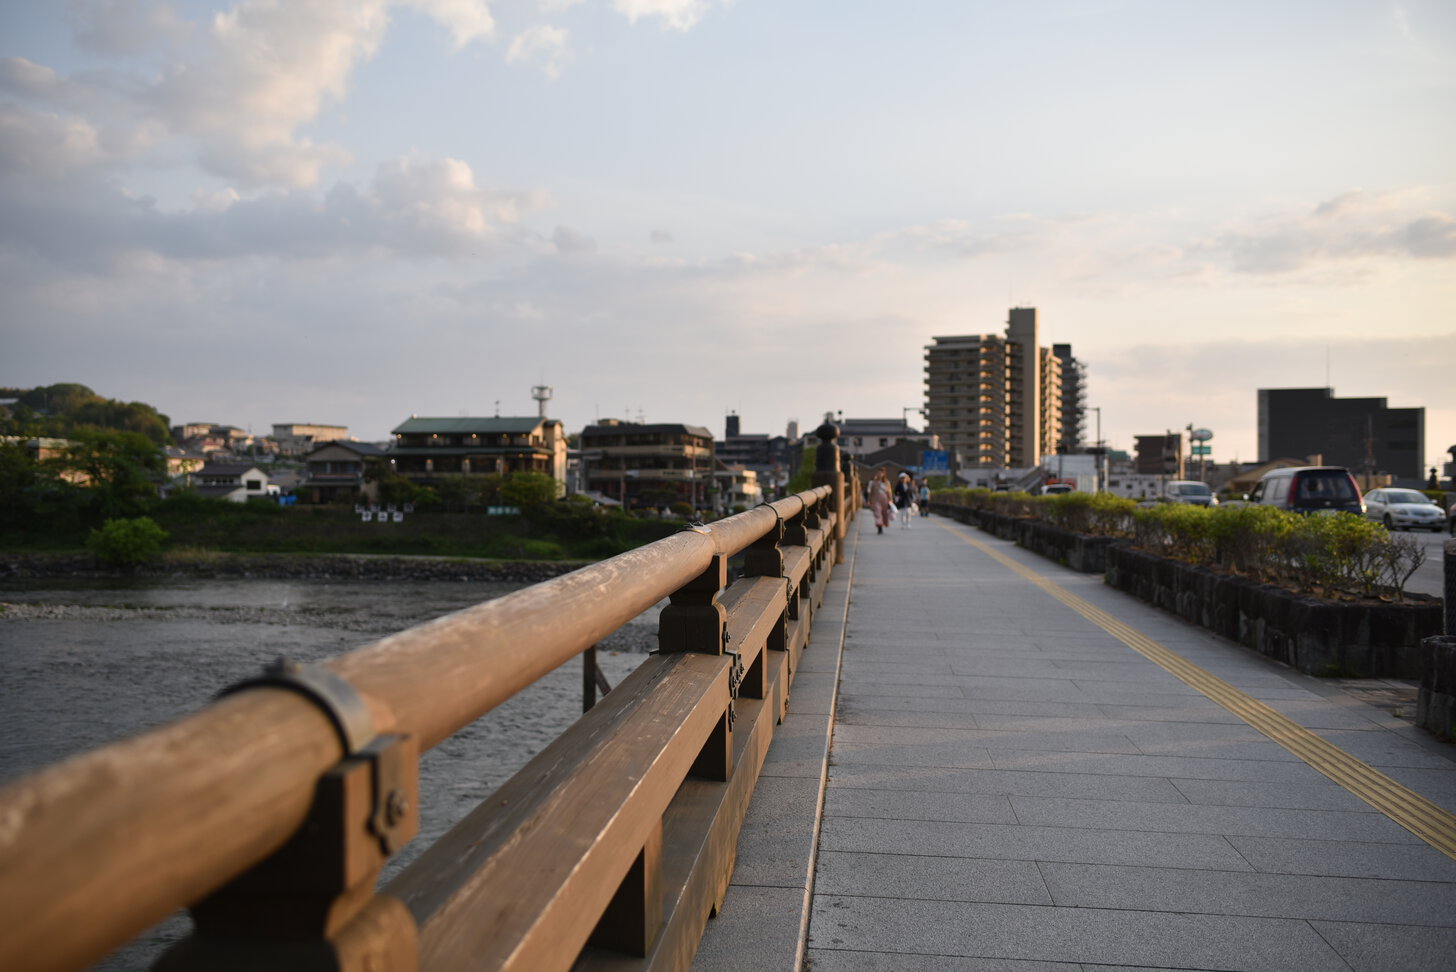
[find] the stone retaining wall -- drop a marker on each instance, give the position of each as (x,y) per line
(1079,551)
(1313,635)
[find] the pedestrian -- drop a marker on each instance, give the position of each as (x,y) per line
(924,498)
(880,500)
(905,499)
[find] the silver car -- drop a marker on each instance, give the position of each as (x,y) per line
(1404,509)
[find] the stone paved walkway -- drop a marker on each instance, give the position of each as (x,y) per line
(1011,786)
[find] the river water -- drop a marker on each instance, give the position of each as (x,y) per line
(86,663)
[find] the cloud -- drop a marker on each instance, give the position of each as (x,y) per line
(125,28)
(674,14)
(412,208)
(468,20)
(46,145)
(543,45)
(1353,226)
(568,240)
(241,88)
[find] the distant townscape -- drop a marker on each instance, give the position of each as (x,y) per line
(1001,411)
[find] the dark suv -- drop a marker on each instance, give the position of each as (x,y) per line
(1310,489)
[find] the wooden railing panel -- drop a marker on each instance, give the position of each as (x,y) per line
(574,819)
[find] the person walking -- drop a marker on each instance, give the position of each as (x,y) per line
(924,498)
(905,499)
(880,500)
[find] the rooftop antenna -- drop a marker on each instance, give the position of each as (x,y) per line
(1327,364)
(542,394)
(497,408)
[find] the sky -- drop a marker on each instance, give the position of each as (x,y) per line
(349,212)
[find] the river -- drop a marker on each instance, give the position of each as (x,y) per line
(83,663)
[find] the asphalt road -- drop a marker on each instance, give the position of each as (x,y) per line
(1430,578)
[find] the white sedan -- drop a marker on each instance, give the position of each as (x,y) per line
(1404,509)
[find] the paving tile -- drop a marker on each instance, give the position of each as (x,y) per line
(1402,862)
(769,918)
(910,804)
(1171,767)
(776,843)
(1381,948)
(1199,711)
(951,739)
(1383,749)
(931,878)
(935,838)
(799,747)
(1088,786)
(1183,818)
(1314,795)
(839,960)
(1250,894)
(1029,932)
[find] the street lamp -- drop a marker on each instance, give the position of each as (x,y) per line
(1101,448)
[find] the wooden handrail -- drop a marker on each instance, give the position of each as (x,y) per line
(99,847)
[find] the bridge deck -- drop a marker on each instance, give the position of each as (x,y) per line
(1017,782)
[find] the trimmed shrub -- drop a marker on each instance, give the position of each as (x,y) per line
(126,543)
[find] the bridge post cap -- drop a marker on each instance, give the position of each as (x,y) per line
(827,432)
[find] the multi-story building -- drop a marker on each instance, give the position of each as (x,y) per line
(1159,455)
(1360,433)
(858,437)
(648,465)
(298,438)
(428,449)
(773,457)
(995,401)
(1074,400)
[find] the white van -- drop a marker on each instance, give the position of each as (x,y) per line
(1189,491)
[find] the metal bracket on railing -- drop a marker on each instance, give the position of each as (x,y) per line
(391,793)
(310,905)
(331,693)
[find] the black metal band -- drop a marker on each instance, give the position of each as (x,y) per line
(331,693)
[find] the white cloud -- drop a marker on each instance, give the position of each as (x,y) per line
(543,45)
(126,28)
(676,14)
(469,20)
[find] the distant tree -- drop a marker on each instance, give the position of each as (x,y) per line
(61,409)
(118,471)
(528,489)
(18,477)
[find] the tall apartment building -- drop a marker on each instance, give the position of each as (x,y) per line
(1074,401)
(995,401)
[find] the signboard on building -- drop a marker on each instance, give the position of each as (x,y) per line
(934,462)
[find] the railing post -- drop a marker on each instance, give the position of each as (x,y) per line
(827,473)
(311,906)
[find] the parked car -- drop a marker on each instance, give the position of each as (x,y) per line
(1050,489)
(1189,491)
(1404,509)
(1309,489)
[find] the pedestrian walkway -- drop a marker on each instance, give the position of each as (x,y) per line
(1032,772)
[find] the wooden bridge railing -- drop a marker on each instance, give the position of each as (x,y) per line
(271,812)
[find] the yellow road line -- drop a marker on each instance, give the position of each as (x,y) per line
(1412,811)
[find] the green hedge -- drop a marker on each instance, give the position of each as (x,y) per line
(1339,555)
